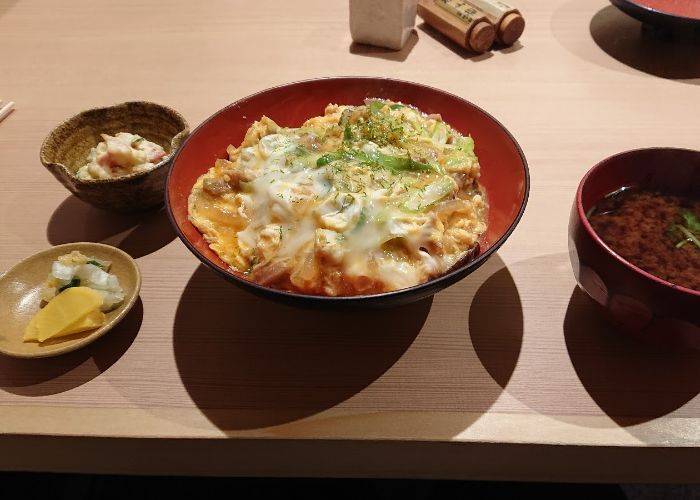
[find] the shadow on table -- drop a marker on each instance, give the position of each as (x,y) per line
(496,325)
(45,376)
(453,46)
(383,53)
(507,49)
(625,45)
(659,52)
(6,6)
(249,362)
(137,234)
(630,381)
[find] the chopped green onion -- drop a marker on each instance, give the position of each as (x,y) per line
(689,236)
(467,145)
(326,159)
(399,163)
(376,106)
(691,221)
(388,162)
(345,117)
(73,282)
(688,233)
(422,198)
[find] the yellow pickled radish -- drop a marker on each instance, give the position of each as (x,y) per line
(31,332)
(93,319)
(65,310)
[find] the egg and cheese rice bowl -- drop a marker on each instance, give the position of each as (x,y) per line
(364,199)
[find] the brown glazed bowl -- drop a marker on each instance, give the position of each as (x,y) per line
(635,300)
(67,146)
(504,172)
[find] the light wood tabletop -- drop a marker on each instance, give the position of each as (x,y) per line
(512,373)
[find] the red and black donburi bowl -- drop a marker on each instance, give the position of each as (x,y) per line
(504,172)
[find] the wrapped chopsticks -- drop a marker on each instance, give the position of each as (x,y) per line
(6,109)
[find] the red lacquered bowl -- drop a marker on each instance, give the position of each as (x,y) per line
(636,301)
(666,13)
(504,172)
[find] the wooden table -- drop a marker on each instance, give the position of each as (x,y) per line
(509,374)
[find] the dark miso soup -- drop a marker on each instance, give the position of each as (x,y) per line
(656,231)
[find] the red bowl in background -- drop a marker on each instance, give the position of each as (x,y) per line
(665,13)
(504,172)
(635,300)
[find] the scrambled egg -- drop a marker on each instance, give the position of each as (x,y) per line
(364,199)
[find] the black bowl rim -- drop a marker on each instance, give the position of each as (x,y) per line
(600,242)
(401,295)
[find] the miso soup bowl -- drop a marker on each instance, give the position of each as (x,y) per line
(636,301)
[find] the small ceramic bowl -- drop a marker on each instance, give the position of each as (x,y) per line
(20,288)
(66,149)
(504,172)
(635,300)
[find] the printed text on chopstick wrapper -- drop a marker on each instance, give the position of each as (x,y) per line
(462,10)
(493,8)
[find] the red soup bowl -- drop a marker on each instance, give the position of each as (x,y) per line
(504,172)
(636,301)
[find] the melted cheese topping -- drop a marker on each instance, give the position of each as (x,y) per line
(361,200)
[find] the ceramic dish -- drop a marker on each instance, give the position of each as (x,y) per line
(668,13)
(504,172)
(635,300)
(67,146)
(20,289)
